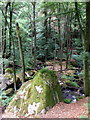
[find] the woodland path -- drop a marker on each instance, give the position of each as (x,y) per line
(61,110)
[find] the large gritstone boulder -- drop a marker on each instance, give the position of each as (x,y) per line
(37,95)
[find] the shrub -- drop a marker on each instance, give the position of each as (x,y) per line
(4,99)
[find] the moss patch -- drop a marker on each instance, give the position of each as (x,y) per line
(38,95)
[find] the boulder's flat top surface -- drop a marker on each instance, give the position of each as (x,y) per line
(61,110)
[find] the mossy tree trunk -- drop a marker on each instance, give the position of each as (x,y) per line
(21,52)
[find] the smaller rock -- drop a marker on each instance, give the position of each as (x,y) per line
(74,101)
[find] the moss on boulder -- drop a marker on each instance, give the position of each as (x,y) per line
(37,96)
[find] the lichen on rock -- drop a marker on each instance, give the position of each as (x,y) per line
(37,96)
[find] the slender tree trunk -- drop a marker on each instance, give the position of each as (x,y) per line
(2,50)
(34,31)
(50,27)
(55,41)
(4,32)
(10,27)
(46,33)
(31,36)
(5,29)
(67,53)
(68,37)
(71,40)
(21,52)
(59,34)
(55,50)
(11,42)
(14,70)
(68,41)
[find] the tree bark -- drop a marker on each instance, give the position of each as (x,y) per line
(4,30)
(2,51)
(21,52)
(59,36)
(87,52)
(31,35)
(14,70)
(46,33)
(10,27)
(34,31)
(11,42)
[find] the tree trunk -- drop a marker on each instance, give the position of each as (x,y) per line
(10,27)
(59,36)
(14,70)
(2,71)
(34,31)
(46,33)
(68,37)
(31,35)
(67,26)
(21,52)
(5,29)
(87,51)
(11,41)
(86,43)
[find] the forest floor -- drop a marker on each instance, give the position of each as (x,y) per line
(61,110)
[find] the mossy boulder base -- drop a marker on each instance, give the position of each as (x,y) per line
(37,95)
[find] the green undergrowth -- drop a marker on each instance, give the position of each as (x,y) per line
(4,99)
